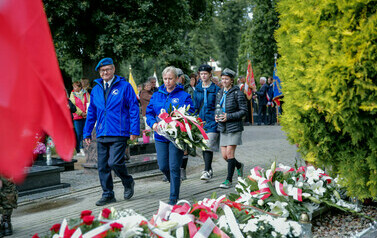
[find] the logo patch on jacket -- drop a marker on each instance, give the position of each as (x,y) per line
(175,100)
(115,92)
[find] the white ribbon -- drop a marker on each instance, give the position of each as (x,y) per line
(206,229)
(97,230)
(233,225)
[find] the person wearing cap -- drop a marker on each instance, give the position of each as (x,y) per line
(169,157)
(115,111)
(205,102)
(233,105)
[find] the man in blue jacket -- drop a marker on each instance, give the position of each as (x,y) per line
(115,109)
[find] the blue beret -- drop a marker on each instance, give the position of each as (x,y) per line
(103,62)
(205,67)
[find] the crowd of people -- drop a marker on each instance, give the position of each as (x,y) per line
(113,108)
(224,106)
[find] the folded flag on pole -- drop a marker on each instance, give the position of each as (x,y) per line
(250,81)
(277,85)
(32,95)
(155,75)
(133,84)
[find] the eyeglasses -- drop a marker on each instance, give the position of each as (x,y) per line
(101,71)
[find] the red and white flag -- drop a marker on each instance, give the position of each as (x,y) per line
(32,95)
(250,82)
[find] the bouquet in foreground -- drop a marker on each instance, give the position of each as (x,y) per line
(290,192)
(208,218)
(181,127)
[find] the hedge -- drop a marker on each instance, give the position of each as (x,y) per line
(328,68)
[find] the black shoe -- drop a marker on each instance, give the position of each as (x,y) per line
(105,200)
(129,192)
(6,226)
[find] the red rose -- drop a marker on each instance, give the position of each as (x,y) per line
(116,225)
(35,235)
(88,220)
(85,213)
(106,212)
(55,228)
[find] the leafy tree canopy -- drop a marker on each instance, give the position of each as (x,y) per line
(258,42)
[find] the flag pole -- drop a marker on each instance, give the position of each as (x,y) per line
(251,100)
(277,107)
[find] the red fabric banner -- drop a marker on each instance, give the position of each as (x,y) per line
(250,81)
(32,95)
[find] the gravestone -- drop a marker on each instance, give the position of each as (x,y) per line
(41,179)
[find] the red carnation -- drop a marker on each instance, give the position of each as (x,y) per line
(55,228)
(116,225)
(85,213)
(143,223)
(106,212)
(35,235)
(88,220)
(203,215)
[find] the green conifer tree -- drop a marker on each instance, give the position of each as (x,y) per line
(328,68)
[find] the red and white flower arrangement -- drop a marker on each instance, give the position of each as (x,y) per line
(182,128)
(290,192)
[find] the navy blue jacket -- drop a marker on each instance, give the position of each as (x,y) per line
(206,113)
(162,100)
(118,116)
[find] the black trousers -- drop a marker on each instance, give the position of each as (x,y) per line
(262,109)
(111,157)
(271,115)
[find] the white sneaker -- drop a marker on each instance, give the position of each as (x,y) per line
(82,153)
(206,175)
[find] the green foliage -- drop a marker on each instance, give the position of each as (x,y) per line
(329,77)
(230,24)
(89,30)
(258,40)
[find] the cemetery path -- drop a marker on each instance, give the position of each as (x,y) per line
(261,146)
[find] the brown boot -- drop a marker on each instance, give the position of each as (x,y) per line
(6,225)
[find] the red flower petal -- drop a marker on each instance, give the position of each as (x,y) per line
(163,115)
(55,228)
(143,223)
(85,213)
(106,212)
(116,225)
(35,235)
(88,220)
(68,233)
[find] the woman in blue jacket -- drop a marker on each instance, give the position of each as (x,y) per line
(169,157)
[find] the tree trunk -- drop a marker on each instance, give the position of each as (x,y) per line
(88,69)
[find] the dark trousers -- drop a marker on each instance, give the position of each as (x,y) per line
(248,115)
(79,129)
(262,114)
(271,115)
(111,157)
(169,159)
